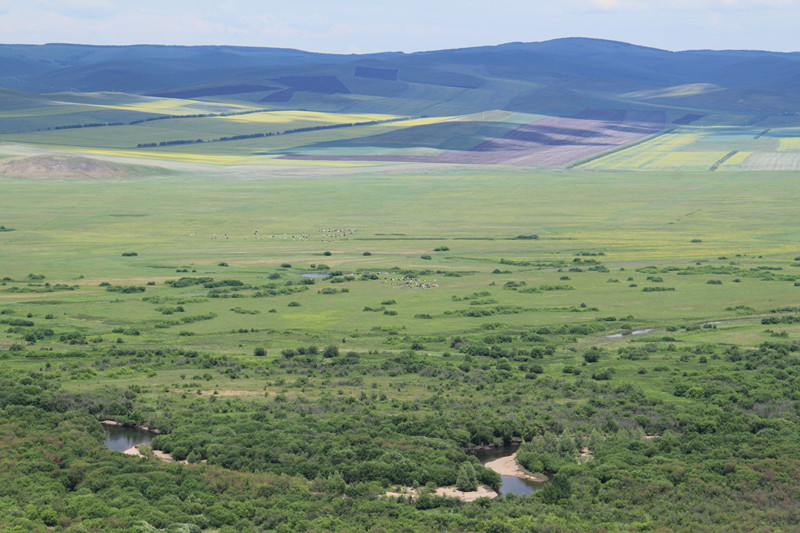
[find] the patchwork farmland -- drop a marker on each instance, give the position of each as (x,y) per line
(550,141)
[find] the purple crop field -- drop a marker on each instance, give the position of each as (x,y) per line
(551,141)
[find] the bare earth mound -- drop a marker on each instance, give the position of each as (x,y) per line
(71,167)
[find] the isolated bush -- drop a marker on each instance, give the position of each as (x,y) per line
(602,375)
(331,351)
(592,356)
(259,352)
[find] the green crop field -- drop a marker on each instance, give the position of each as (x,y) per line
(309,336)
(705,148)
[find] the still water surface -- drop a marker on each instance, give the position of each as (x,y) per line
(511,484)
(120,438)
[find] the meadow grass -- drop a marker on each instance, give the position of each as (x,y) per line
(439,242)
(75,232)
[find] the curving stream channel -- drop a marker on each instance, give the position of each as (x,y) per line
(121,438)
(511,484)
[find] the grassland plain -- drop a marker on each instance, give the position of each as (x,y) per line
(78,231)
(309,336)
(465,306)
(498,303)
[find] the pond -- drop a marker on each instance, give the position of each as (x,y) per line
(634,332)
(511,484)
(121,438)
(316,275)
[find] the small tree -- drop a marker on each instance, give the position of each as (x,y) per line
(467,480)
(335,483)
(566,444)
(595,440)
(259,352)
(556,491)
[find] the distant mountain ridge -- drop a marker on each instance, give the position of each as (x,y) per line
(560,76)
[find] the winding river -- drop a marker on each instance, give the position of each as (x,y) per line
(122,438)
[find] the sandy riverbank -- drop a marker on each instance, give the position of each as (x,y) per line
(449,492)
(508,466)
(452,492)
(158,454)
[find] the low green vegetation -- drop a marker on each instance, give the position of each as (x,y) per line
(640,337)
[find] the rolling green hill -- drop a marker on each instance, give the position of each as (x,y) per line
(559,76)
(580,99)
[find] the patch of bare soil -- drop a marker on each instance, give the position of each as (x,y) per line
(450,492)
(508,466)
(158,454)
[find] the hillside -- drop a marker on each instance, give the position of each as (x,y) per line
(559,76)
(566,103)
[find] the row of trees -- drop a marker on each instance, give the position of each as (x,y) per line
(265,134)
